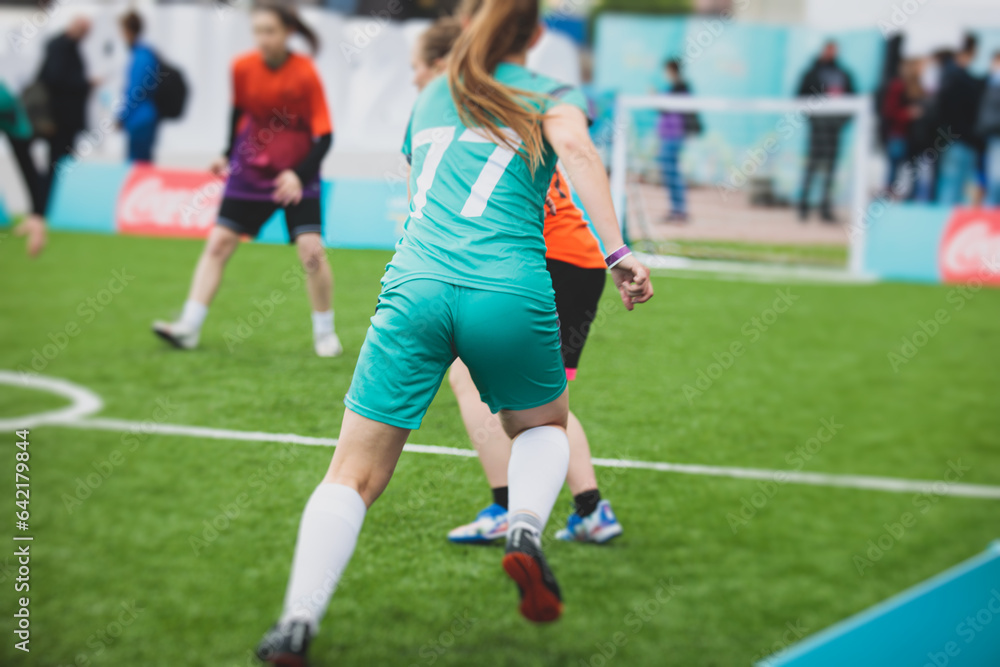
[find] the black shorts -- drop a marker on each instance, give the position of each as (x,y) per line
(578,293)
(247,216)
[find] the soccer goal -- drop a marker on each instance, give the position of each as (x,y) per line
(748,185)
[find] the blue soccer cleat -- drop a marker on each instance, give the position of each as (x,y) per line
(490,525)
(599,527)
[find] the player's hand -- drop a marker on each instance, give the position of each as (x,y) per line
(550,206)
(220,167)
(632,280)
(34,229)
(287,188)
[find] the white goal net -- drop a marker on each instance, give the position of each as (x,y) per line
(745,183)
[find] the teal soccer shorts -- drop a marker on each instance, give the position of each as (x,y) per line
(509,342)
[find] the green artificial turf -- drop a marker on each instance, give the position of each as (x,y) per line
(128,568)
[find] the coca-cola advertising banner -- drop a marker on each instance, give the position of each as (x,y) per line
(149,201)
(970,247)
(162,202)
(933,244)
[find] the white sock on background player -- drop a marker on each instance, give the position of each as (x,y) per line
(322,323)
(326,342)
(193,316)
(539,460)
(328,534)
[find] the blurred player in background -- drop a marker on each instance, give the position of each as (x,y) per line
(430,56)
(281,131)
(468,280)
(15,124)
(575,262)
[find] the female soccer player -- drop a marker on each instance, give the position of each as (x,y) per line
(281,130)
(468,280)
(430,55)
(575,262)
(15,124)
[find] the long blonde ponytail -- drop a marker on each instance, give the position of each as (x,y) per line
(500,28)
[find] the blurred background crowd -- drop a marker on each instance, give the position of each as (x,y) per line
(75,82)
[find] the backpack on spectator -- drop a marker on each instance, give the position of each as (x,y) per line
(171,93)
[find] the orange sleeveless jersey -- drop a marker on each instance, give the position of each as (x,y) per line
(567,236)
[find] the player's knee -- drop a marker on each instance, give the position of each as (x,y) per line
(513,431)
(312,255)
(368,492)
(555,414)
(365,484)
(221,248)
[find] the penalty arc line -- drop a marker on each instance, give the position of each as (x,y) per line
(85,403)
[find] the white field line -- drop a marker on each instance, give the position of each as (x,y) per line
(86,402)
(122,425)
(889,484)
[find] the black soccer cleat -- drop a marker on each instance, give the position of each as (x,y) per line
(541,601)
(285,645)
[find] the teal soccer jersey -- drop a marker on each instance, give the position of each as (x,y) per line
(469,276)
(13,119)
(477,211)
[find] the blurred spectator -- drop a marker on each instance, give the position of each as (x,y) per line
(988,127)
(957,108)
(826,77)
(15,124)
(672,129)
(65,78)
(900,108)
(924,129)
(934,69)
(138,115)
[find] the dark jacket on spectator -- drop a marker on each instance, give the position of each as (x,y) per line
(826,78)
(988,124)
(958,101)
(64,75)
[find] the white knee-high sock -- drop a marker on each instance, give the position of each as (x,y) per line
(539,460)
(328,533)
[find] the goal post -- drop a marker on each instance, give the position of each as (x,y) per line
(742,167)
